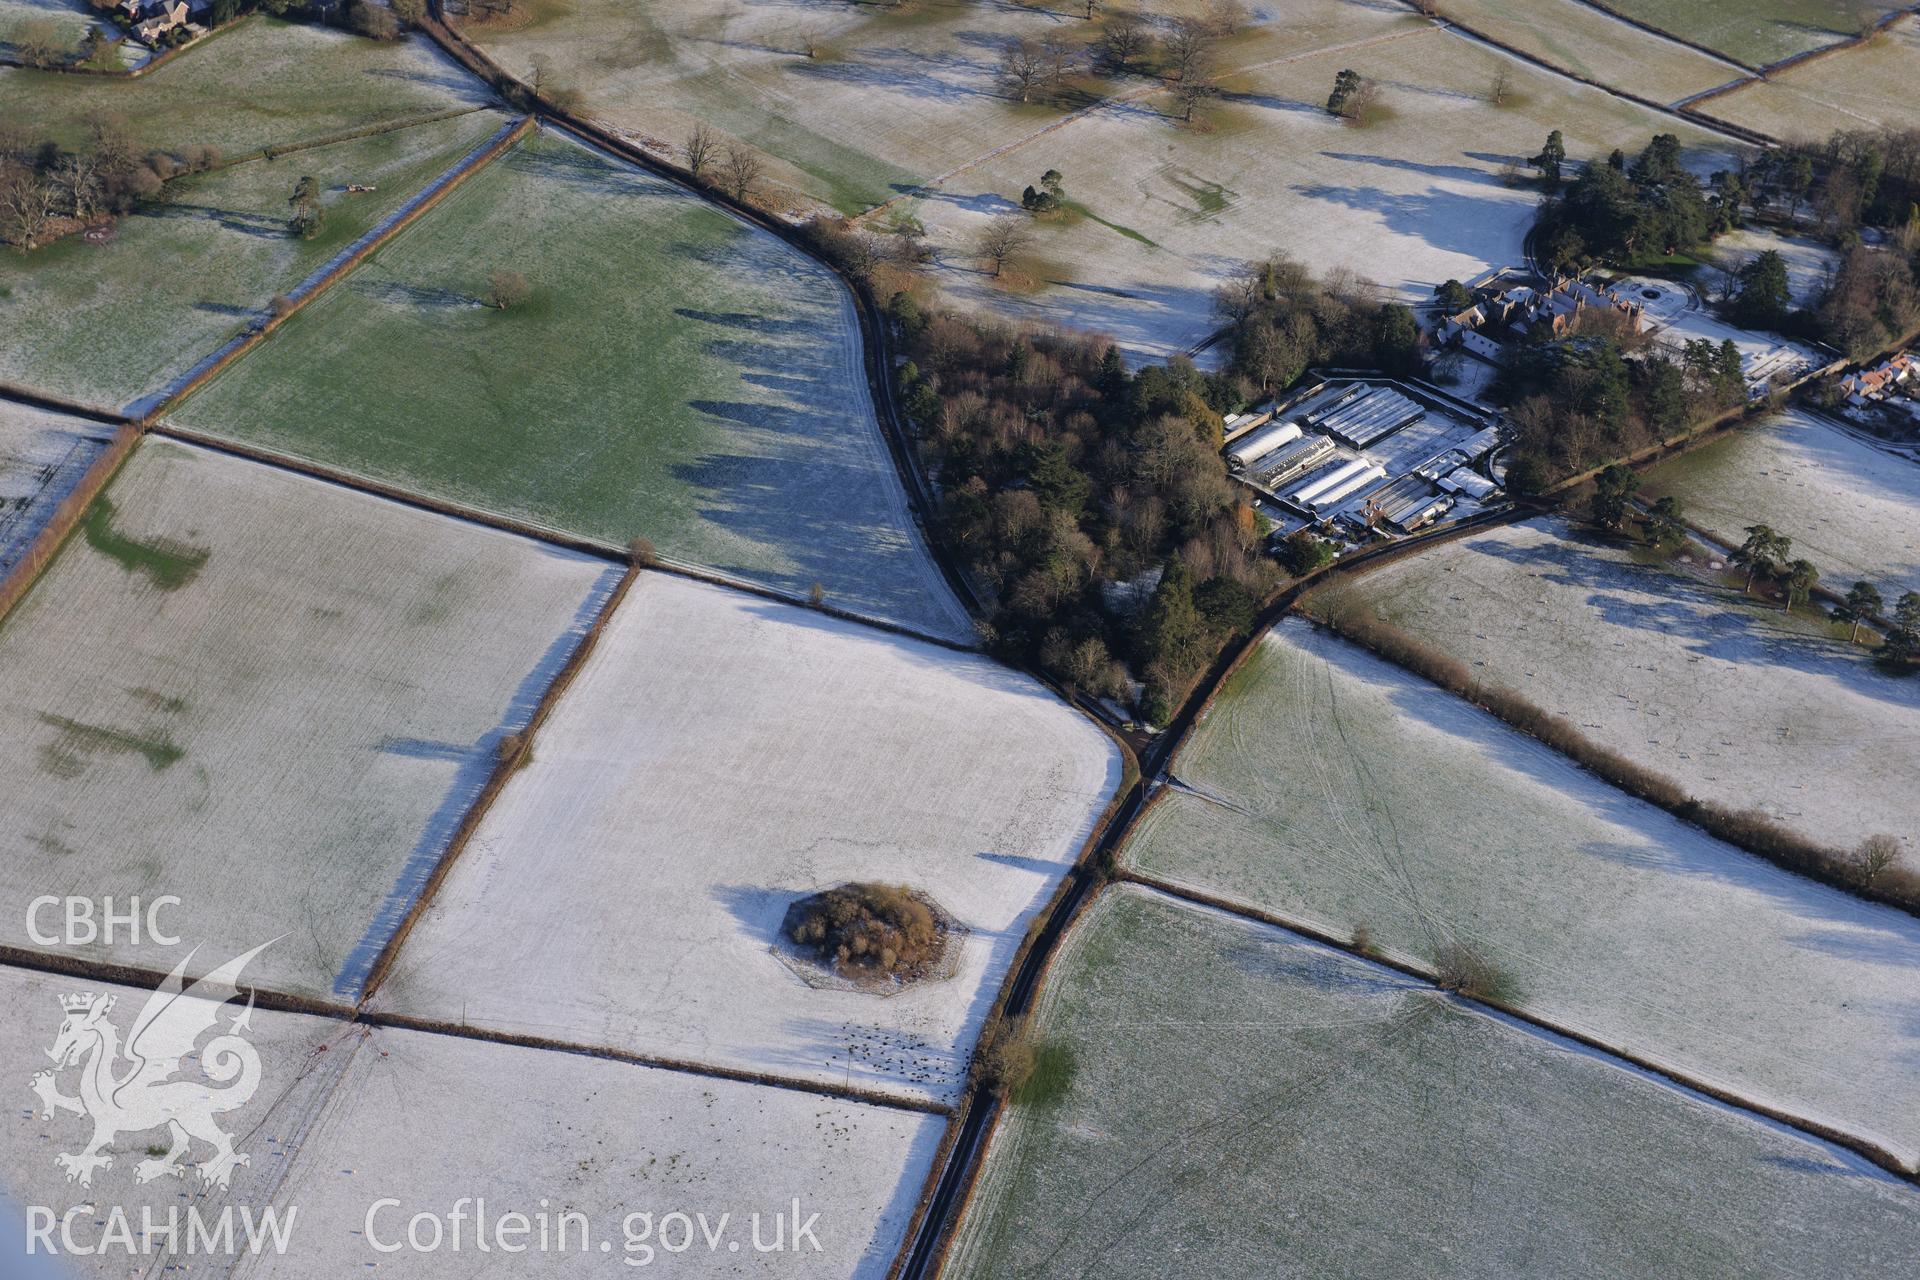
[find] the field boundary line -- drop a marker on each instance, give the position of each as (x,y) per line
(713,1071)
(1675,1076)
(66,518)
(399,124)
(873,330)
(543,534)
(1794,61)
(48,962)
(277,1001)
(53,403)
(1708,124)
(1767,74)
(330,273)
(1664,34)
(505,766)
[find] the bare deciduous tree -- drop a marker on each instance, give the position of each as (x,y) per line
(1004,237)
(1124,42)
(1502,86)
(1875,857)
(78,179)
(699,149)
(37,41)
(1062,58)
(1023,68)
(1196,86)
(740,170)
(1235,300)
(1227,16)
(507,289)
(26,206)
(1187,47)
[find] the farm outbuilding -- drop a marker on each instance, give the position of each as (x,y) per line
(1293,460)
(1257,446)
(1469,482)
(1366,414)
(1326,480)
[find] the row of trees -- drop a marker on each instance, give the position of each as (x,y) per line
(1182,52)
(47,191)
(1767,556)
(1579,403)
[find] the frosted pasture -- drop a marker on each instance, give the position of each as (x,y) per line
(1171,210)
(271,697)
(42,459)
(1864,87)
(122,321)
(905,107)
(1587,41)
(718,757)
(677,375)
(1740,705)
(1332,788)
(1851,508)
(301,1058)
(426,1120)
(1810,264)
(1241,1102)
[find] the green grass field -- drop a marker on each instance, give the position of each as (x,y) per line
(109,323)
(69,20)
(675,375)
(260,83)
(1757,32)
(1242,1103)
(1329,787)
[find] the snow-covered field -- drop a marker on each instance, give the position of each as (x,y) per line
(1330,787)
(1810,264)
(42,459)
(262,82)
(345,1117)
(425,1120)
(1408,202)
(271,697)
(301,1059)
(1589,42)
(1853,509)
(1739,704)
(1860,88)
(1758,31)
(1244,1103)
(718,757)
(906,107)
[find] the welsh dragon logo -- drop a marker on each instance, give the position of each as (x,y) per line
(131,1088)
